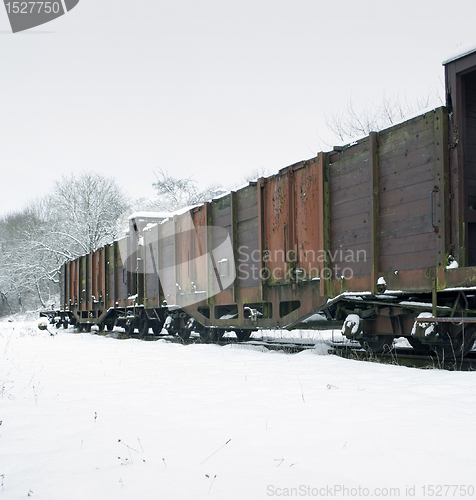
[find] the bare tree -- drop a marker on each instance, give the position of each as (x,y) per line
(86,209)
(173,193)
(351,123)
(79,216)
(25,275)
(255,174)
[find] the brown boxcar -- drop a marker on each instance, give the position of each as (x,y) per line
(379,234)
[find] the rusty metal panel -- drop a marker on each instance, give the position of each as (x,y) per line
(63,287)
(273,223)
(103,278)
(308,213)
(75,282)
(129,258)
(294,238)
(120,251)
(68,266)
(196,262)
(220,216)
(99,303)
(89,282)
(277,226)
(98,279)
(110,276)
(151,267)
(82,282)
(167,260)
(200,265)
(95,278)
(247,251)
(186,251)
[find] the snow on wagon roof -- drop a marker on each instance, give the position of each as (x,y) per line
(150,215)
(460,52)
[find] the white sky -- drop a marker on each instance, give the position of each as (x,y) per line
(210,89)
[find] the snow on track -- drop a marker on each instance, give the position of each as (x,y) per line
(91,417)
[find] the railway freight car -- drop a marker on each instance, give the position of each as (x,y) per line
(379,234)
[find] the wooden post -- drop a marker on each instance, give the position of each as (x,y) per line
(442,212)
(374,211)
(324,218)
(261,234)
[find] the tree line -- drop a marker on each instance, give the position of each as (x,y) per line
(81,213)
(85,211)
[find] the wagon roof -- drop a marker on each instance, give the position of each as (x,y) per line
(459,53)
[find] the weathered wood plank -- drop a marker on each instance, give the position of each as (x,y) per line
(350,209)
(406,137)
(406,262)
(413,226)
(341,194)
(247,213)
(418,162)
(350,222)
(355,237)
(407,245)
(401,213)
(402,196)
(349,154)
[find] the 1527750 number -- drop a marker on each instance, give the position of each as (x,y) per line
(448,490)
(33,7)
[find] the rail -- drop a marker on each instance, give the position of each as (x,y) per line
(400,356)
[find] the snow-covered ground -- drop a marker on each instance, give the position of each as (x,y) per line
(90,417)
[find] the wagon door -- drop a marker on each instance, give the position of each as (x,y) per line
(461,103)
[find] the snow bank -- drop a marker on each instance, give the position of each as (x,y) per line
(85,416)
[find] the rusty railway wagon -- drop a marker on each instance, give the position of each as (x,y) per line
(379,234)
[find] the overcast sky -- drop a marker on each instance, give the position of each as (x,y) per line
(206,88)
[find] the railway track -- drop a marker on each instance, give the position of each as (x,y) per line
(290,346)
(406,356)
(400,356)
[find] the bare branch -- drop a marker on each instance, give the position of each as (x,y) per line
(351,124)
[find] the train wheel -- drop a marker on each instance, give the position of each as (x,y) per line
(157,327)
(101,327)
(110,327)
(184,333)
(418,345)
(211,335)
(243,334)
(457,341)
(378,343)
(87,327)
(65,324)
(144,326)
(129,327)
